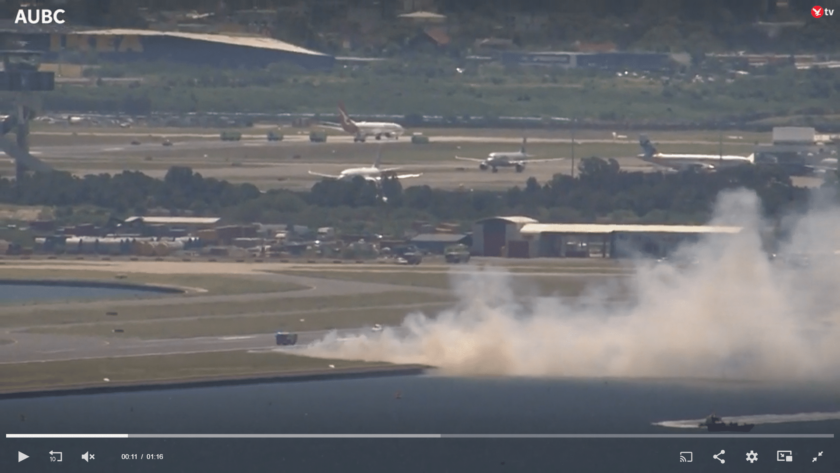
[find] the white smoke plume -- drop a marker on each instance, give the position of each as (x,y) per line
(732,313)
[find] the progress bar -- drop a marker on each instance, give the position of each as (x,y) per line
(419,436)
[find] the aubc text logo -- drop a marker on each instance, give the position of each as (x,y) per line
(39,17)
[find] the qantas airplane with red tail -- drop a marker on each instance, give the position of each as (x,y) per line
(361,130)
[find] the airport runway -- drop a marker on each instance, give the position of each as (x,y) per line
(298,137)
(210,142)
(286,164)
(25,347)
(36,347)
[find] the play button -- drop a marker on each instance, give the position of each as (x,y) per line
(22,456)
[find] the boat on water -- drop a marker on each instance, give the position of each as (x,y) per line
(715,424)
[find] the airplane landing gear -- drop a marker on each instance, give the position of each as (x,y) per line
(520,168)
(482,167)
(495,169)
(378,137)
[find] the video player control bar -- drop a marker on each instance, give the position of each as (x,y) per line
(420,436)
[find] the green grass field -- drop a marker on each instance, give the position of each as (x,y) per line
(150,369)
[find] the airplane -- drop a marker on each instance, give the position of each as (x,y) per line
(824,166)
(502,159)
(373,173)
(361,130)
(690,162)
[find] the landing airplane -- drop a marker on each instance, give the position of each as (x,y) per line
(503,159)
(690,162)
(373,173)
(361,130)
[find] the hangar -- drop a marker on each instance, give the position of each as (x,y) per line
(493,236)
(217,50)
(613,241)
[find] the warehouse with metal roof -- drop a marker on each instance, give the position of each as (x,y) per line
(196,221)
(492,236)
(613,241)
(218,50)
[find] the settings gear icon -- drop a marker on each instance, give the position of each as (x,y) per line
(752,457)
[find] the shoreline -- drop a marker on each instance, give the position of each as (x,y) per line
(257,378)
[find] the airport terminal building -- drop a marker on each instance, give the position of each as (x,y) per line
(524,237)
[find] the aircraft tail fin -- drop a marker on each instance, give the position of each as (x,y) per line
(647,146)
(347,124)
(524,143)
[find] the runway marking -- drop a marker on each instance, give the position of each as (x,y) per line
(237,338)
(59,351)
(113,149)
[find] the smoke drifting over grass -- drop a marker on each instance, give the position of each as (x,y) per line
(724,311)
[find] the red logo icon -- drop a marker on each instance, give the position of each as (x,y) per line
(817,12)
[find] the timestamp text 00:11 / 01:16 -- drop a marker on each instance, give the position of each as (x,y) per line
(141,456)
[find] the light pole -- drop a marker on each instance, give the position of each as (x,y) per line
(574,123)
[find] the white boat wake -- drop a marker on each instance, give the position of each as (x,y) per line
(756,419)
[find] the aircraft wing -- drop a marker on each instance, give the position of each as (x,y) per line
(407,176)
(694,166)
(475,160)
(324,175)
(383,171)
(529,161)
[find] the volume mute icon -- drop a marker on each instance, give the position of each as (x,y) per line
(87,456)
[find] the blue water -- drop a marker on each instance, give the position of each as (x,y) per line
(428,404)
(15,293)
